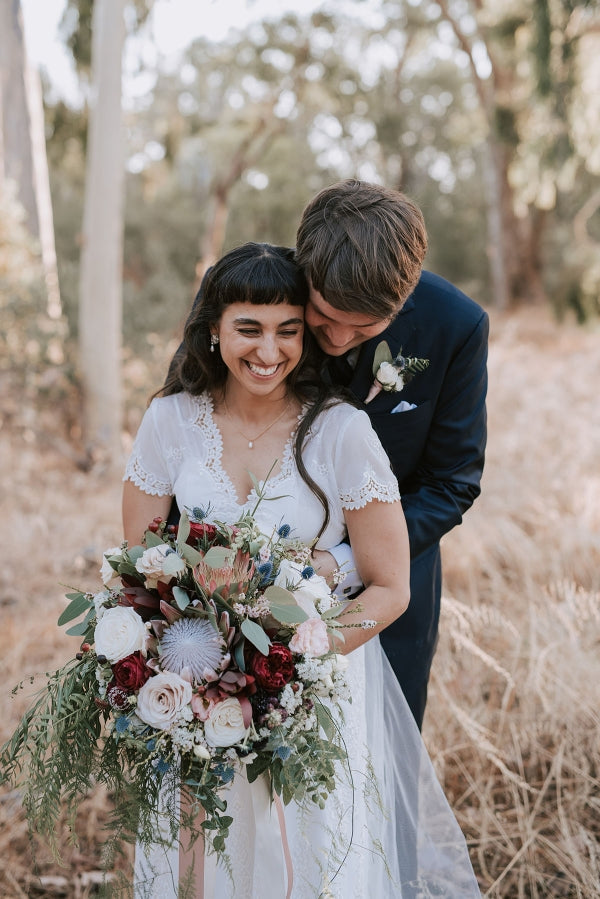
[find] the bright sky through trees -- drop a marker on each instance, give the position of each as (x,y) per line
(175,23)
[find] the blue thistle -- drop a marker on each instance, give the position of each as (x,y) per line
(121,724)
(284,530)
(225,773)
(284,752)
(265,569)
(198,513)
(161,765)
(308,572)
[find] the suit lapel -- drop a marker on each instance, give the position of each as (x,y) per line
(395,336)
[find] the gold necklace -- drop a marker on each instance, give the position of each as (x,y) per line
(252,440)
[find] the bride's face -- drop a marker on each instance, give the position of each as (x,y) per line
(261,345)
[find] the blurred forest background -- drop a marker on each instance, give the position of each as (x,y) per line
(487,113)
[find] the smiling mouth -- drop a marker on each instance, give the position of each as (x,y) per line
(262,370)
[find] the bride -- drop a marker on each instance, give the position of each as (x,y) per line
(246,398)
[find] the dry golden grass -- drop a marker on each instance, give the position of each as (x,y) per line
(513,716)
(513,719)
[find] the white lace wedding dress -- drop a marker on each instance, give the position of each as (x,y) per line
(387,831)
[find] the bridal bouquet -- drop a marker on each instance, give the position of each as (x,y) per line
(207,649)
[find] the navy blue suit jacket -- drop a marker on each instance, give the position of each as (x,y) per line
(436,451)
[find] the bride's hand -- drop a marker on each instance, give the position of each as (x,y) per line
(324,564)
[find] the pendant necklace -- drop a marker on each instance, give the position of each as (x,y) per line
(252,440)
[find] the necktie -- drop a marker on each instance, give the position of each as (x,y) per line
(340,371)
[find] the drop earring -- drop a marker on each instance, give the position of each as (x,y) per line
(214,339)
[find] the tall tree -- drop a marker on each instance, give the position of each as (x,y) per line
(22,143)
(102,239)
(525,96)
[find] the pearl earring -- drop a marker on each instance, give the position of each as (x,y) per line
(214,339)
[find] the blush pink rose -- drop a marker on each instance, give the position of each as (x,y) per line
(202,707)
(310,638)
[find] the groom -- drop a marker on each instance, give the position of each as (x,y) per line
(362,248)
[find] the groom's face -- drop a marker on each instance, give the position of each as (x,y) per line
(337,331)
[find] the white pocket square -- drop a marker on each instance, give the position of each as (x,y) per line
(403,407)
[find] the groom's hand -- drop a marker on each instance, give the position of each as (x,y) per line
(324,564)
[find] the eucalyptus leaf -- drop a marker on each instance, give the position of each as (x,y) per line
(134,553)
(382,354)
(181,597)
(280,595)
(255,634)
(218,556)
(255,482)
(336,638)
(325,722)
(191,555)
(288,614)
(183,531)
(152,539)
(173,565)
(254,547)
(78,630)
(78,605)
(334,611)
(238,654)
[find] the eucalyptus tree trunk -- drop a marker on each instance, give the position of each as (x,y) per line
(23,157)
(100,288)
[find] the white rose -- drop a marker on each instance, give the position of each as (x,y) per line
(151,564)
(307,591)
(161,699)
(389,377)
(108,574)
(341,662)
(225,725)
(311,638)
(120,632)
(99,600)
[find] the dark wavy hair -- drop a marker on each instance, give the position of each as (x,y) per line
(264,275)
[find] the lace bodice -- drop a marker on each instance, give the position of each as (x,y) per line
(178,451)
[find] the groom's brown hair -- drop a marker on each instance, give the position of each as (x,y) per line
(362,247)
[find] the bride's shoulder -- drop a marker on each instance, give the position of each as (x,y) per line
(183,402)
(342,415)
(183,406)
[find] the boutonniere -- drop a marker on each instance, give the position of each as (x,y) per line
(392,373)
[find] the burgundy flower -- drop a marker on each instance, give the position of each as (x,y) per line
(274,671)
(131,672)
(117,697)
(198,531)
(145,604)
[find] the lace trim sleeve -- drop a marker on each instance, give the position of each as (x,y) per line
(148,466)
(372,489)
(362,468)
(146,482)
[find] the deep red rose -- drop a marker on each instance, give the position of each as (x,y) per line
(131,673)
(198,531)
(274,671)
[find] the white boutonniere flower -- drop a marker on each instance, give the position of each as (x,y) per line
(392,373)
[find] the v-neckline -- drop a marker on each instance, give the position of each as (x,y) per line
(215,461)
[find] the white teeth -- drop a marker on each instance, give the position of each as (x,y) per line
(259,370)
